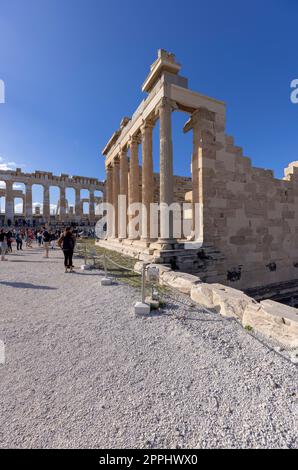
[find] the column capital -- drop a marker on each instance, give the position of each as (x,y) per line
(134,140)
(147,124)
(122,152)
(166,103)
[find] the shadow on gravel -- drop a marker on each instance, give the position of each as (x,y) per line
(86,273)
(24,261)
(25,285)
(203,320)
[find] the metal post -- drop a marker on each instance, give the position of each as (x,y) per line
(141,308)
(86,259)
(105,264)
(143,283)
(106,281)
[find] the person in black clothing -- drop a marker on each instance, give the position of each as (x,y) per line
(46,241)
(9,240)
(67,243)
(3,245)
(19,240)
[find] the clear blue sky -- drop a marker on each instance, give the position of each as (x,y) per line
(74,68)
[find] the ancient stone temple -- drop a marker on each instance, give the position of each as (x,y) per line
(244,221)
(64,213)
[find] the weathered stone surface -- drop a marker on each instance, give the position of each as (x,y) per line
(202,294)
(231,302)
(274,320)
(139,265)
(183,282)
(227,301)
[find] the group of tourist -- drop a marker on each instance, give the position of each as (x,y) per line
(10,236)
(44,238)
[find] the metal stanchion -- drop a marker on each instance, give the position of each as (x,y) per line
(142,308)
(105,281)
(85,266)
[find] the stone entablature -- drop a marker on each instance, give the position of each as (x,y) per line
(47,180)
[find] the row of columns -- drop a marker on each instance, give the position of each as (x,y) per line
(123,178)
(9,201)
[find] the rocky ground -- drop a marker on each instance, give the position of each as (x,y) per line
(82,371)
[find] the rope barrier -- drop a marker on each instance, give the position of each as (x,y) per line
(119,265)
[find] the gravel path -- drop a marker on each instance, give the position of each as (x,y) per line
(82,371)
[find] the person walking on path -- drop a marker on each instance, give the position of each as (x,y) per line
(53,240)
(9,240)
(19,240)
(67,243)
(46,241)
(3,245)
(39,237)
(29,238)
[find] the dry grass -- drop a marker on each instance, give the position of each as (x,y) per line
(123,275)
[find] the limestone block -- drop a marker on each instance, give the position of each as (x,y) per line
(225,300)
(202,294)
(161,267)
(230,302)
(183,282)
(274,320)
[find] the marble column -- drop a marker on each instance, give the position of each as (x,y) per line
(46,203)
(109,184)
(62,201)
(9,201)
(202,123)
(166,170)
(195,174)
(123,172)
(116,187)
(123,192)
(134,175)
(109,199)
(147,178)
(28,201)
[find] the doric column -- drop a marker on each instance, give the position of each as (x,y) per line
(23,197)
(134,174)
(123,192)
(28,201)
(91,205)
(46,203)
(147,178)
(9,201)
(166,170)
(78,208)
(116,188)
(109,198)
(62,202)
